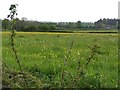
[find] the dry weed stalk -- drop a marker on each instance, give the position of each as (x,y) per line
(13,21)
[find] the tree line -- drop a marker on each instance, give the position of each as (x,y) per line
(29,25)
(0,24)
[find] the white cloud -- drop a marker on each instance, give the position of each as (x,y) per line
(62,10)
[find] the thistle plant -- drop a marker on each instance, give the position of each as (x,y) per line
(13,13)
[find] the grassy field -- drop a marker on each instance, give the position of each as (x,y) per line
(48,56)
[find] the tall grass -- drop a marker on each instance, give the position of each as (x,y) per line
(90,61)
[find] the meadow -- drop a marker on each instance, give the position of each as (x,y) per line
(79,60)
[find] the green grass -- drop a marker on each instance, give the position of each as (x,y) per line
(43,55)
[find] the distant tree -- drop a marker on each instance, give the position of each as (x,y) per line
(106,24)
(6,24)
(24,19)
(45,27)
(19,25)
(70,25)
(118,24)
(31,28)
(0,24)
(79,24)
(52,27)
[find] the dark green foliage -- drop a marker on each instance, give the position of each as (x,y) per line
(79,24)
(12,11)
(24,25)
(31,28)
(118,24)
(6,24)
(19,25)
(44,27)
(52,27)
(106,24)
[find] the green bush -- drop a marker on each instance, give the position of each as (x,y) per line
(31,28)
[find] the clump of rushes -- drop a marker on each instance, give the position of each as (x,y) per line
(13,13)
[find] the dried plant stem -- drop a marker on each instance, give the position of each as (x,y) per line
(81,71)
(69,52)
(65,61)
(5,65)
(13,48)
(89,59)
(13,21)
(93,52)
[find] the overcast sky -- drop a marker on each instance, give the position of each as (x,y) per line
(62,10)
